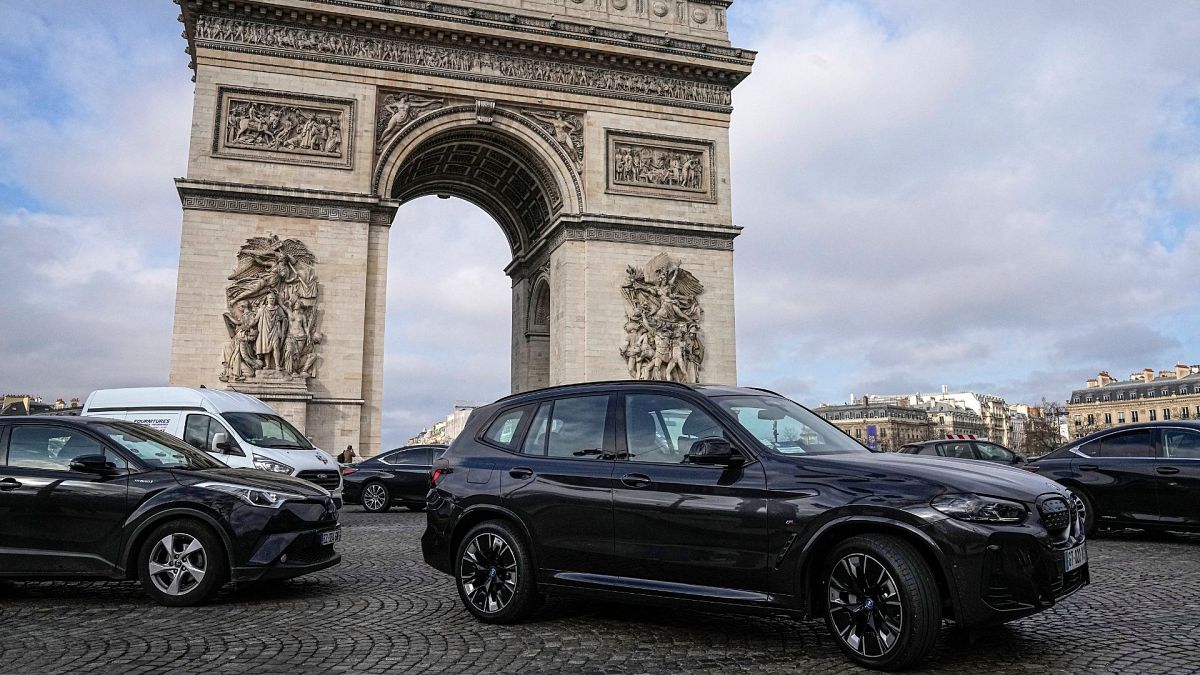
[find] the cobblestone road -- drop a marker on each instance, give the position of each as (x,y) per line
(383,610)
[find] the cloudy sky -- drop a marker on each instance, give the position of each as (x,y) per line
(1002,197)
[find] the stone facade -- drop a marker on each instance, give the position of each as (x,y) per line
(886,425)
(595,133)
(1147,396)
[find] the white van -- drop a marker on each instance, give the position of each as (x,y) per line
(237,429)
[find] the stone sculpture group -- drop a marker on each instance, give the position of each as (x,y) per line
(281,127)
(272,318)
(663,339)
(641,165)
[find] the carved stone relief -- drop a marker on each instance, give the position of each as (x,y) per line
(272,318)
(658,166)
(565,127)
(663,338)
(397,109)
(475,64)
(278,127)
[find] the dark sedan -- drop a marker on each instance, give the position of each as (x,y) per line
(87,497)
(964,447)
(399,476)
(1140,475)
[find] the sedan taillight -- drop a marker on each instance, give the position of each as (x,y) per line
(437,475)
(347,471)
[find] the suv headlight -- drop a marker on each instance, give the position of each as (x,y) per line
(251,495)
(268,464)
(979,509)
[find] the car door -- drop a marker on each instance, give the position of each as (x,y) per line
(1179,478)
(200,431)
(54,520)
(558,480)
(409,470)
(1118,472)
(681,525)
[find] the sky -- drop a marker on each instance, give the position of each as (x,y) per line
(996,197)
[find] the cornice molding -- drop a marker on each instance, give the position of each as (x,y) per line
(201,195)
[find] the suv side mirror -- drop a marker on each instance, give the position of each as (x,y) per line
(97,464)
(220,442)
(713,452)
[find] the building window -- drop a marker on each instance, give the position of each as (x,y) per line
(1164,391)
(1108,418)
(1153,415)
(1120,418)
(1166,413)
(1106,397)
(1150,393)
(1089,398)
(858,433)
(1077,421)
(1133,416)
(1091,420)
(1183,413)
(1120,397)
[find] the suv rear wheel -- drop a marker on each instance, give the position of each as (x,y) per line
(494,573)
(881,602)
(182,563)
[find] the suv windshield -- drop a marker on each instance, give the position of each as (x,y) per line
(156,449)
(786,427)
(267,431)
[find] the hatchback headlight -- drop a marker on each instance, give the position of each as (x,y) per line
(979,509)
(251,495)
(268,464)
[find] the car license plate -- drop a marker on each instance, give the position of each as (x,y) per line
(331,537)
(1074,558)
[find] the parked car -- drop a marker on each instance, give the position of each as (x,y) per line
(237,429)
(963,446)
(86,497)
(740,499)
(1139,475)
(399,476)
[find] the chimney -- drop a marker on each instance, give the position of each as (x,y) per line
(75,402)
(1181,371)
(945,389)
(1092,384)
(1162,374)
(1148,375)
(1104,378)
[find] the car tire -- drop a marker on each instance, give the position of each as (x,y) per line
(376,497)
(493,572)
(420,506)
(182,563)
(1090,522)
(882,604)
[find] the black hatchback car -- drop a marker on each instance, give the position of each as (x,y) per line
(88,497)
(1139,475)
(740,499)
(399,476)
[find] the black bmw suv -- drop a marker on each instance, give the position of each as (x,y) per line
(88,497)
(740,499)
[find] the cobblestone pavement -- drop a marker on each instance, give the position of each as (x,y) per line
(383,610)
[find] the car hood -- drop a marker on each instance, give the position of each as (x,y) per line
(940,474)
(255,478)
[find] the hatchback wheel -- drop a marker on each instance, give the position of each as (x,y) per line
(376,497)
(182,563)
(882,602)
(494,574)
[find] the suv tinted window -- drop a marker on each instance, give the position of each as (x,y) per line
(535,440)
(50,447)
(662,428)
(1181,444)
(577,427)
(1127,444)
(503,429)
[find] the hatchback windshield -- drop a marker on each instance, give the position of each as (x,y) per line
(267,431)
(786,427)
(156,449)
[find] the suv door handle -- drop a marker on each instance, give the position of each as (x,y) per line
(1088,467)
(635,480)
(9,484)
(520,472)
(1167,470)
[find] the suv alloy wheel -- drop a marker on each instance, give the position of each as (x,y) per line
(494,574)
(882,602)
(182,563)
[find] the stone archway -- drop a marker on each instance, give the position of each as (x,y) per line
(594,132)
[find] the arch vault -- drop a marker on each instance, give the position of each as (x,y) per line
(594,132)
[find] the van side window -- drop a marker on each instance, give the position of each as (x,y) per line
(199,430)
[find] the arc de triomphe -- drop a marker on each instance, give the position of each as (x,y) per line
(594,132)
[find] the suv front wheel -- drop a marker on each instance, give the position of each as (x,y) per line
(182,563)
(494,573)
(881,602)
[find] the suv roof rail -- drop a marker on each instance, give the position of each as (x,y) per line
(600,383)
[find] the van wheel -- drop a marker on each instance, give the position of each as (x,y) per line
(881,602)
(376,498)
(182,563)
(494,574)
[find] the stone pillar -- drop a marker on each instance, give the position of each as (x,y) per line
(373,335)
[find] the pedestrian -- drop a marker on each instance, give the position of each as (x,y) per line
(347,456)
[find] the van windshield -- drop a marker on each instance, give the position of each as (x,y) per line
(787,427)
(156,449)
(267,431)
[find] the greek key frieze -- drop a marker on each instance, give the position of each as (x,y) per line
(225,32)
(659,166)
(287,128)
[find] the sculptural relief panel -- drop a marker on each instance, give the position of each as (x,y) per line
(660,166)
(272,320)
(287,128)
(396,109)
(663,336)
